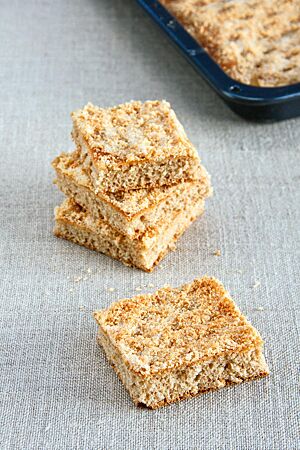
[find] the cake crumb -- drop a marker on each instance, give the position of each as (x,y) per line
(81,307)
(150,285)
(111,289)
(260,308)
(172,247)
(256,284)
(217,252)
(138,288)
(89,270)
(77,279)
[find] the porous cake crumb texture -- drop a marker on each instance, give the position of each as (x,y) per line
(77,225)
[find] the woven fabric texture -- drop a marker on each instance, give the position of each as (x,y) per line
(57,389)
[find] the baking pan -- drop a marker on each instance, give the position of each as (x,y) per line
(250,102)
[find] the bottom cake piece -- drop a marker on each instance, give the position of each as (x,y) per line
(73,223)
(179,343)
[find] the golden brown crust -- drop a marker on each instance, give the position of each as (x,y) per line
(176,328)
(256,42)
(131,133)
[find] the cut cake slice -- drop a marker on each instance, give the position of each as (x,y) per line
(131,213)
(134,145)
(178,343)
(73,223)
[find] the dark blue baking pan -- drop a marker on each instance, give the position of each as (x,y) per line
(250,102)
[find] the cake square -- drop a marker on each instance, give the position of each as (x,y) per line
(131,213)
(75,224)
(178,343)
(134,145)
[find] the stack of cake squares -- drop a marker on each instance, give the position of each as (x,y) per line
(134,183)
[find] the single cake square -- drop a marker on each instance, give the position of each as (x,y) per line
(134,145)
(131,213)
(73,223)
(178,343)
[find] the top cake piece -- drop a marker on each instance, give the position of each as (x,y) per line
(134,145)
